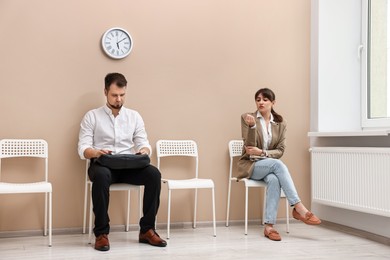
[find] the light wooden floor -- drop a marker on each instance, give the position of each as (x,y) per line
(303,242)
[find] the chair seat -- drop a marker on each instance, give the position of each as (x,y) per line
(189,183)
(253,183)
(9,188)
(123,187)
(249,182)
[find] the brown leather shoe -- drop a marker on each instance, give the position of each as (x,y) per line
(102,243)
(272,234)
(309,218)
(152,238)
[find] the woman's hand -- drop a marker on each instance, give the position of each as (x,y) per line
(250,120)
(253,150)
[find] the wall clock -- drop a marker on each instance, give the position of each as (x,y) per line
(117,43)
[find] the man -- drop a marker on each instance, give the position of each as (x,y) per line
(114,129)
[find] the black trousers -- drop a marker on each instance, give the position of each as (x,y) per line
(102,177)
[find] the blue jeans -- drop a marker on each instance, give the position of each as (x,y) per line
(275,173)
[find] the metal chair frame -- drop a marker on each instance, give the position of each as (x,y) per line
(184,148)
(29,148)
(235,150)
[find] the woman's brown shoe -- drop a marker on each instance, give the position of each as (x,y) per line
(272,234)
(309,218)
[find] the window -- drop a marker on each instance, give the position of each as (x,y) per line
(376,64)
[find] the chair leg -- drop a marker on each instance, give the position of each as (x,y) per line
(85,207)
(246,210)
(139,203)
(287,217)
(128,212)
(195,207)
(50,219)
(214,225)
(90,222)
(45,221)
(228,204)
(169,212)
(264,205)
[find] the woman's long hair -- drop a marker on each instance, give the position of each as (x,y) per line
(269,94)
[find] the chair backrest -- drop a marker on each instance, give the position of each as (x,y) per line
(37,148)
(235,147)
(235,150)
(23,148)
(186,148)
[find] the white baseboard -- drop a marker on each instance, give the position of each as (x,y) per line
(135,227)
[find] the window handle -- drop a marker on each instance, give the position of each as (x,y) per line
(359,51)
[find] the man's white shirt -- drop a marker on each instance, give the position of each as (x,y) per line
(123,134)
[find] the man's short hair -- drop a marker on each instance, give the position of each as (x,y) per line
(114,78)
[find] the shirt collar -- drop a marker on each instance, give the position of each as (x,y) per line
(109,111)
(258,115)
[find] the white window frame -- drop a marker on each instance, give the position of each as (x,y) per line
(367,123)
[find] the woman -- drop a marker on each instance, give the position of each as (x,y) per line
(264,134)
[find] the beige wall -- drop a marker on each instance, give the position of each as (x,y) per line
(193,70)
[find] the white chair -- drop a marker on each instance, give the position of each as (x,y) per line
(113,187)
(235,150)
(33,148)
(184,148)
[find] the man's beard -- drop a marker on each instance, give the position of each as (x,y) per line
(115,106)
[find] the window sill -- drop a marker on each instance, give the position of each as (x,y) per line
(348,134)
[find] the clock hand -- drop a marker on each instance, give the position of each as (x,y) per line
(121,40)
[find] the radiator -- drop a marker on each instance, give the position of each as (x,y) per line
(354,178)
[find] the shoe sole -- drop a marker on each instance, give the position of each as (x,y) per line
(104,248)
(300,218)
(307,223)
(272,239)
(147,242)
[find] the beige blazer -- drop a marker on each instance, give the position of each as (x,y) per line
(254,137)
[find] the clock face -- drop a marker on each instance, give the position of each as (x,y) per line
(117,43)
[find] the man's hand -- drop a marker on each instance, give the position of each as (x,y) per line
(101,152)
(94,153)
(144,150)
